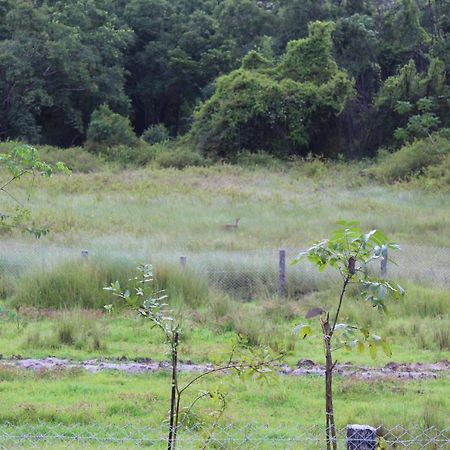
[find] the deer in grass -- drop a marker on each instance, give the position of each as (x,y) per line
(232,226)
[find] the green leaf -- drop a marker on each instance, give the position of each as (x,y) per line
(360,347)
(303,331)
(365,332)
(386,348)
(372,350)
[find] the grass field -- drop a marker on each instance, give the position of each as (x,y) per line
(52,300)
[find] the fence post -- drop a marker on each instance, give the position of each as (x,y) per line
(84,253)
(183,262)
(384,261)
(282,274)
(361,437)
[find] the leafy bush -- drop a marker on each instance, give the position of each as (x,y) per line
(179,158)
(438,176)
(411,160)
(139,154)
(108,129)
(156,134)
(258,159)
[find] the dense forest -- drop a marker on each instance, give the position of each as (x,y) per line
(286,76)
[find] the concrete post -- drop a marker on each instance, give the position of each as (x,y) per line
(361,437)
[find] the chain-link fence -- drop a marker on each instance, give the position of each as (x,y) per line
(242,274)
(100,436)
(224,437)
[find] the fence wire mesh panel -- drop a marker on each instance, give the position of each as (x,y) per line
(247,275)
(99,436)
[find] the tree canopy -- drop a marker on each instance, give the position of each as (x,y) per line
(156,61)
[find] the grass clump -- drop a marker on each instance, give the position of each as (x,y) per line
(73,284)
(77,328)
(182,286)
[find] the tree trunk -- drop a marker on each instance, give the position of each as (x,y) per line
(171,444)
(329,366)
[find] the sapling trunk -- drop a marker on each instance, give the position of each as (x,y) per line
(329,366)
(174,403)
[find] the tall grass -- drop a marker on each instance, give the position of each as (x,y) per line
(73,284)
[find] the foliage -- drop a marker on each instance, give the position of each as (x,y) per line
(59,62)
(156,134)
(349,251)
(278,110)
(412,103)
(413,159)
(108,129)
(156,60)
(18,163)
(179,158)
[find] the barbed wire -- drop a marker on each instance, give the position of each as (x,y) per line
(249,437)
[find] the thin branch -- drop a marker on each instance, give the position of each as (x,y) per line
(341,298)
(226,367)
(12,196)
(15,177)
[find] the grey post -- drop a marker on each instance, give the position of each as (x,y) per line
(183,262)
(361,437)
(84,253)
(384,261)
(282,274)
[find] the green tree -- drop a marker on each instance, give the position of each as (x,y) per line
(412,104)
(58,62)
(404,37)
(281,108)
(349,251)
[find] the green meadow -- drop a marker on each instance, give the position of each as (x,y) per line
(52,298)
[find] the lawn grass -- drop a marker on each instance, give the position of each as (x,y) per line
(75,397)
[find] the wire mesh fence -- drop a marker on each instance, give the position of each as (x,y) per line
(96,436)
(242,274)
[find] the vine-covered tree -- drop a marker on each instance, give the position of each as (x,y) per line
(278,107)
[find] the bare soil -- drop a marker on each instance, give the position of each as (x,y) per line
(304,367)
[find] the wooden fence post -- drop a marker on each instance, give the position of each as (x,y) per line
(282,274)
(361,437)
(384,261)
(183,262)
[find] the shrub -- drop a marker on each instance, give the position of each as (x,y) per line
(137,155)
(411,160)
(179,158)
(108,129)
(258,159)
(156,134)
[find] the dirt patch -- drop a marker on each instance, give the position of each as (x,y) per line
(304,367)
